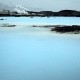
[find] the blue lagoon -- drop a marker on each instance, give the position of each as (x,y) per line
(34,53)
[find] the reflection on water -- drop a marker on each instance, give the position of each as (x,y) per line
(37,54)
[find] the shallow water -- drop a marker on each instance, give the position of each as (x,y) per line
(41,21)
(28,53)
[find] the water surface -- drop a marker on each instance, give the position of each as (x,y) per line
(28,53)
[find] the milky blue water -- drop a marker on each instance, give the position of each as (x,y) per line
(28,53)
(41,21)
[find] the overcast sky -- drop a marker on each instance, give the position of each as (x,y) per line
(54,5)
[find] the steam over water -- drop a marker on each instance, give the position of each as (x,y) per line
(21,9)
(28,53)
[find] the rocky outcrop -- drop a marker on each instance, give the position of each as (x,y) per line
(67,29)
(7,25)
(75,29)
(70,13)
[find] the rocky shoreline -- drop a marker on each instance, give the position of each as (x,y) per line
(75,29)
(7,25)
(62,13)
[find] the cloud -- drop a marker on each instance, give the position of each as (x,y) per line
(54,5)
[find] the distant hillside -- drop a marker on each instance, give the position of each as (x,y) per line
(19,10)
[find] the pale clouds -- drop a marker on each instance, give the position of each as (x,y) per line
(54,5)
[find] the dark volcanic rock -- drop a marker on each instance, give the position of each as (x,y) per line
(75,29)
(1,19)
(7,25)
(11,26)
(41,13)
(46,26)
(65,29)
(69,13)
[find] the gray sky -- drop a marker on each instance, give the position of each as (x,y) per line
(54,5)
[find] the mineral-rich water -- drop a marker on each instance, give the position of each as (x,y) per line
(33,53)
